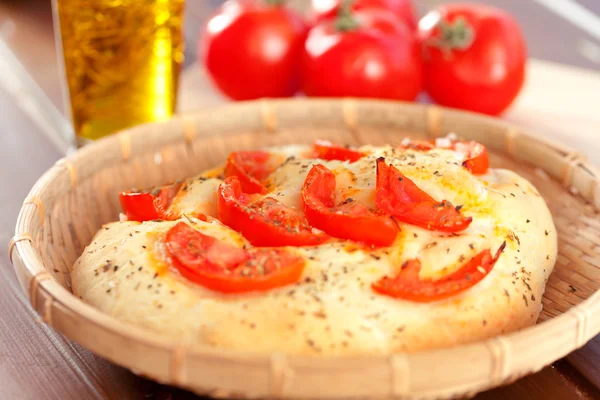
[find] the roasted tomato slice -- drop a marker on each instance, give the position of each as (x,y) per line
(350,220)
(326,150)
(222,267)
(267,222)
(145,206)
(408,286)
(251,167)
(165,195)
(476,158)
(397,195)
(195,250)
(138,206)
(421,145)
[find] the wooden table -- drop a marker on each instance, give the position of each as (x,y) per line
(35,362)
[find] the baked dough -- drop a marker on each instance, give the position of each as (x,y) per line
(333,310)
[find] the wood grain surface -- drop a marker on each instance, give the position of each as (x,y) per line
(37,363)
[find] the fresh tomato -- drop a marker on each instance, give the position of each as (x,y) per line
(397,195)
(349,220)
(476,158)
(146,206)
(225,268)
(326,150)
(402,9)
(267,222)
(364,54)
(474,57)
(253,48)
(251,167)
(407,285)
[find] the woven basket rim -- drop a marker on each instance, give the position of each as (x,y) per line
(577,320)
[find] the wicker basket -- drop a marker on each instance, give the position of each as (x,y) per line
(70,202)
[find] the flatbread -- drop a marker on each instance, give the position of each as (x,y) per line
(333,310)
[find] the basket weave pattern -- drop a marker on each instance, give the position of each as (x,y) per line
(75,197)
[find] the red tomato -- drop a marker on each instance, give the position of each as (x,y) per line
(251,167)
(349,220)
(474,57)
(408,286)
(372,55)
(326,150)
(220,266)
(253,48)
(475,154)
(398,196)
(267,222)
(402,9)
(145,206)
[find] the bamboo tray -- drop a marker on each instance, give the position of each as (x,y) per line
(71,201)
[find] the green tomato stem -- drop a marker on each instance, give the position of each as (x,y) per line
(457,34)
(275,3)
(345,21)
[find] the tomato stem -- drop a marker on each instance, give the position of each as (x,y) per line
(275,2)
(345,21)
(457,34)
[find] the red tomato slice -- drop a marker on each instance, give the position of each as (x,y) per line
(266,268)
(165,196)
(398,196)
(350,220)
(326,150)
(267,222)
(408,286)
(421,145)
(138,206)
(194,250)
(251,167)
(476,156)
(144,206)
(222,267)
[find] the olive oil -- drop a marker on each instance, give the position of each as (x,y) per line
(122,60)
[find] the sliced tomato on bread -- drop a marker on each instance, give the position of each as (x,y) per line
(349,220)
(223,267)
(327,150)
(147,206)
(407,285)
(400,197)
(266,222)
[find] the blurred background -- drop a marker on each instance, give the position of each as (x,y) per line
(561,92)
(563,31)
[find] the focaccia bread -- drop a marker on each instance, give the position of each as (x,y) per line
(485,250)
